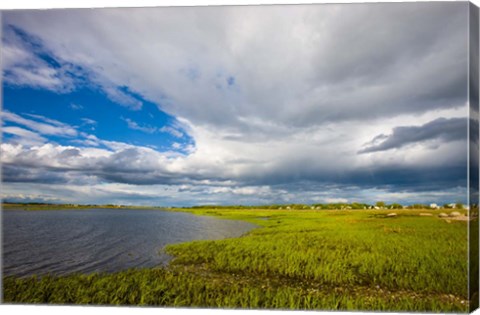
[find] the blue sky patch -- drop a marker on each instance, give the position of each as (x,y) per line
(92,112)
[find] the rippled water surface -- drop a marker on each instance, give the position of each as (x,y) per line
(100,240)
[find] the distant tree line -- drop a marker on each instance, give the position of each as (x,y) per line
(293,206)
(333,206)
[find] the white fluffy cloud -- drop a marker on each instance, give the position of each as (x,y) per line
(41,125)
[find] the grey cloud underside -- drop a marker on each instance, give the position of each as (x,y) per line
(21,174)
(362,187)
(390,177)
(443,130)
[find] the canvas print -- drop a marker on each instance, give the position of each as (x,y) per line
(301,157)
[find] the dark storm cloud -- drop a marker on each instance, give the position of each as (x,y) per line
(401,178)
(442,130)
(389,177)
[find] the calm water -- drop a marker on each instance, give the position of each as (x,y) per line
(96,240)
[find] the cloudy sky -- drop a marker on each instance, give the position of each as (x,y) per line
(236,105)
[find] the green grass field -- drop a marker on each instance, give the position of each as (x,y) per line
(297,259)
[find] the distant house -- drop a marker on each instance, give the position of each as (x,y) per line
(434,206)
(376,208)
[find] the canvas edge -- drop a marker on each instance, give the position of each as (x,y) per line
(473,156)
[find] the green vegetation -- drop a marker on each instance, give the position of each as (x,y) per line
(296,259)
(380,204)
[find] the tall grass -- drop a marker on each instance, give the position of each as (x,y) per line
(349,260)
(338,248)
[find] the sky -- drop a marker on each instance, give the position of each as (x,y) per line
(236,104)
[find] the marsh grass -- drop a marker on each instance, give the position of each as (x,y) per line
(299,259)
